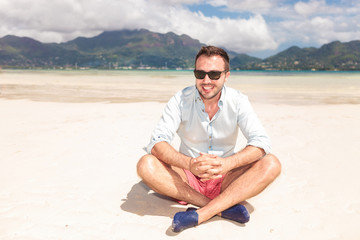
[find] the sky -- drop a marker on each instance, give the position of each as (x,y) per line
(258,28)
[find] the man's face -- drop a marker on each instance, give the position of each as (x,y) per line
(208,88)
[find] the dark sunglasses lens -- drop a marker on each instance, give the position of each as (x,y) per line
(214,75)
(199,74)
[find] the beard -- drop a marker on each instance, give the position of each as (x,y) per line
(211,94)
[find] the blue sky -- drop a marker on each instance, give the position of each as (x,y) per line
(259,28)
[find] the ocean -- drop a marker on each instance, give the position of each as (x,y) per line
(117,86)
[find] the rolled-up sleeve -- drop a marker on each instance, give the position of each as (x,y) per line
(251,127)
(168,123)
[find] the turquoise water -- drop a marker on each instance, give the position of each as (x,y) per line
(279,87)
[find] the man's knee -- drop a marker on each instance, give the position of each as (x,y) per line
(146,165)
(271,166)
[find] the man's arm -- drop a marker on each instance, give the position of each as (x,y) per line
(166,153)
(244,157)
(206,166)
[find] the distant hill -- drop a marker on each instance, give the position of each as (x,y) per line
(137,48)
(245,62)
(332,56)
(145,49)
(27,52)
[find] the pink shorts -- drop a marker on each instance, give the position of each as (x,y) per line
(210,188)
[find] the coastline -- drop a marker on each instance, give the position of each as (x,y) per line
(69,167)
(142,86)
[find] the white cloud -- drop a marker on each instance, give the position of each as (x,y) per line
(217,3)
(258,6)
(308,8)
(64,20)
(315,31)
(177,2)
(268,23)
(322,24)
(318,7)
(240,35)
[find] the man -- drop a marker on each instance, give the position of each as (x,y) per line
(206,171)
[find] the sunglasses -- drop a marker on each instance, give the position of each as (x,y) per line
(213,75)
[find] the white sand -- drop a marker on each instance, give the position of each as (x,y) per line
(68,172)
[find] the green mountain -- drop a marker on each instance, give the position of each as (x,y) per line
(332,56)
(145,49)
(27,52)
(138,48)
(245,62)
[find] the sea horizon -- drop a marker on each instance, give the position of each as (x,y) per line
(280,87)
(179,70)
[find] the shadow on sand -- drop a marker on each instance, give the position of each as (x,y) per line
(141,200)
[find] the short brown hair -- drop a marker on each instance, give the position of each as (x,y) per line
(211,51)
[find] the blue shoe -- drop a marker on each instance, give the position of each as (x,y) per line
(191,209)
(237,213)
(184,220)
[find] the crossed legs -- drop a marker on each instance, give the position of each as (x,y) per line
(238,185)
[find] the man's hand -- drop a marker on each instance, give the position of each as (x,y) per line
(207,166)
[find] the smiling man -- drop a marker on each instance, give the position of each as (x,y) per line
(206,171)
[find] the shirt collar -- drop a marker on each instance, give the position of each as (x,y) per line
(222,97)
(221,100)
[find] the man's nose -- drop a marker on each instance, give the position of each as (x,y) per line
(207,79)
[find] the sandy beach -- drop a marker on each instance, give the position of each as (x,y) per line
(69,145)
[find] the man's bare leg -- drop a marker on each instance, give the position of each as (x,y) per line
(240,185)
(168,181)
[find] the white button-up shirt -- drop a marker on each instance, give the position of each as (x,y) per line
(185,115)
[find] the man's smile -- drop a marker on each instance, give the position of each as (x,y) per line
(207,87)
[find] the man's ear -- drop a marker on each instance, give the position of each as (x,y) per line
(227,76)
